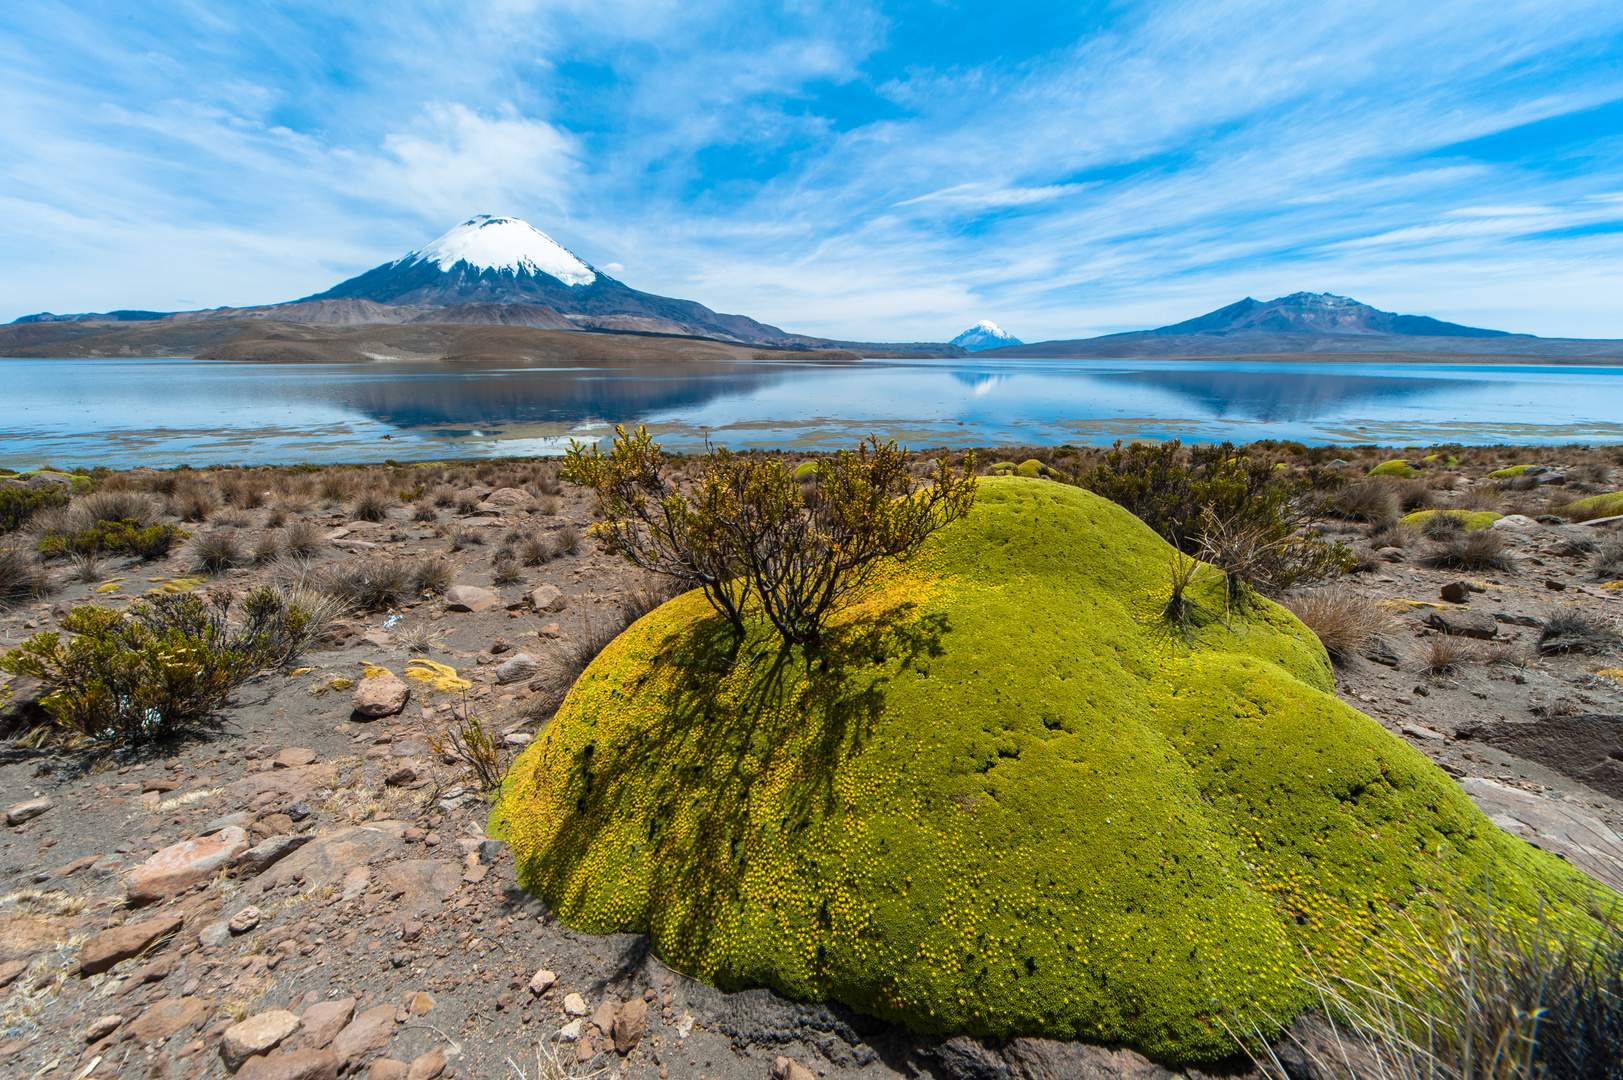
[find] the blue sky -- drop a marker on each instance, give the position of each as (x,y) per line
(887,171)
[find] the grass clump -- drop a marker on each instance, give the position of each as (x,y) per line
(168,666)
(1606,564)
(301,539)
(1571,630)
(431,576)
(371,506)
(1344,622)
(217,550)
(368,584)
(1365,500)
(22,577)
(1482,550)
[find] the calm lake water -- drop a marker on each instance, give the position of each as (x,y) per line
(169,412)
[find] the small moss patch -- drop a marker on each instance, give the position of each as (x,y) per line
(1471,519)
(1596,506)
(1507,471)
(1005,799)
(1397,467)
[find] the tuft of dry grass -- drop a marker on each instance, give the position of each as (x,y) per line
(301,539)
(1572,630)
(432,575)
(217,550)
(86,568)
(1365,499)
(1343,621)
(1483,549)
(371,505)
(567,540)
(505,571)
(1443,653)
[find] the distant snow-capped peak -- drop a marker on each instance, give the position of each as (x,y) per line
(985,334)
(503,243)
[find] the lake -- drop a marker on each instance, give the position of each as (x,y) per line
(166,412)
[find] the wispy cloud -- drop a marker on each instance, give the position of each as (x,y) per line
(884,170)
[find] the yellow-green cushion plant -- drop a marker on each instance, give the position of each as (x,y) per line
(1031,468)
(1447,463)
(1397,467)
(1507,471)
(806,470)
(1472,519)
(1596,506)
(1007,799)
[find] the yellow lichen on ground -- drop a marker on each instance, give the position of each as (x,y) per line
(441,677)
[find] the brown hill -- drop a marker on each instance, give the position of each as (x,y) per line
(284,342)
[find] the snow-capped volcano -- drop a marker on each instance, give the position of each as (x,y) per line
(502,243)
(496,262)
(985,335)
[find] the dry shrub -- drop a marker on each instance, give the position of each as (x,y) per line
(1443,525)
(190,500)
(1415,494)
(480,749)
(1479,498)
(1607,562)
(371,505)
(1366,499)
(444,495)
(22,577)
(567,540)
(216,550)
(85,568)
(1571,630)
(268,549)
(534,551)
(1443,653)
(301,539)
(431,576)
(505,571)
(1475,995)
(1343,621)
(336,486)
(1391,532)
(424,512)
(1483,549)
(92,509)
(466,538)
(368,584)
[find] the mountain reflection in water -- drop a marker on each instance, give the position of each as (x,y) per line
(123,412)
(1284,395)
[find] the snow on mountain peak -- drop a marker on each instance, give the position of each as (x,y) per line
(502,243)
(985,334)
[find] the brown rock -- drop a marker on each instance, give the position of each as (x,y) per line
(10,970)
(603,1018)
(283,787)
(264,855)
(323,1021)
(427,1066)
(102,1026)
(542,981)
(421,884)
(329,857)
(388,1069)
(547,598)
(790,1069)
(169,1017)
(180,866)
(255,1035)
(1464,624)
(417,1002)
(245,920)
(401,775)
(585,1048)
(1456,592)
(162,787)
(294,757)
(27,811)
(109,947)
(510,497)
(630,1025)
(299,1065)
(368,1032)
(470,598)
(22,936)
(380,695)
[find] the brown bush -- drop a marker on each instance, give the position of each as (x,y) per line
(1343,621)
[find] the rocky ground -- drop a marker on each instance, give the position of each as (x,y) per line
(308,890)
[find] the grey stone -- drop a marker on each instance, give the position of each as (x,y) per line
(470,598)
(264,855)
(1469,624)
(1555,825)
(516,668)
(239,820)
(255,1035)
(28,810)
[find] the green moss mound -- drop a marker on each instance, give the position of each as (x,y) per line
(806,470)
(1473,519)
(1398,467)
(1507,471)
(1596,506)
(1447,462)
(1006,799)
